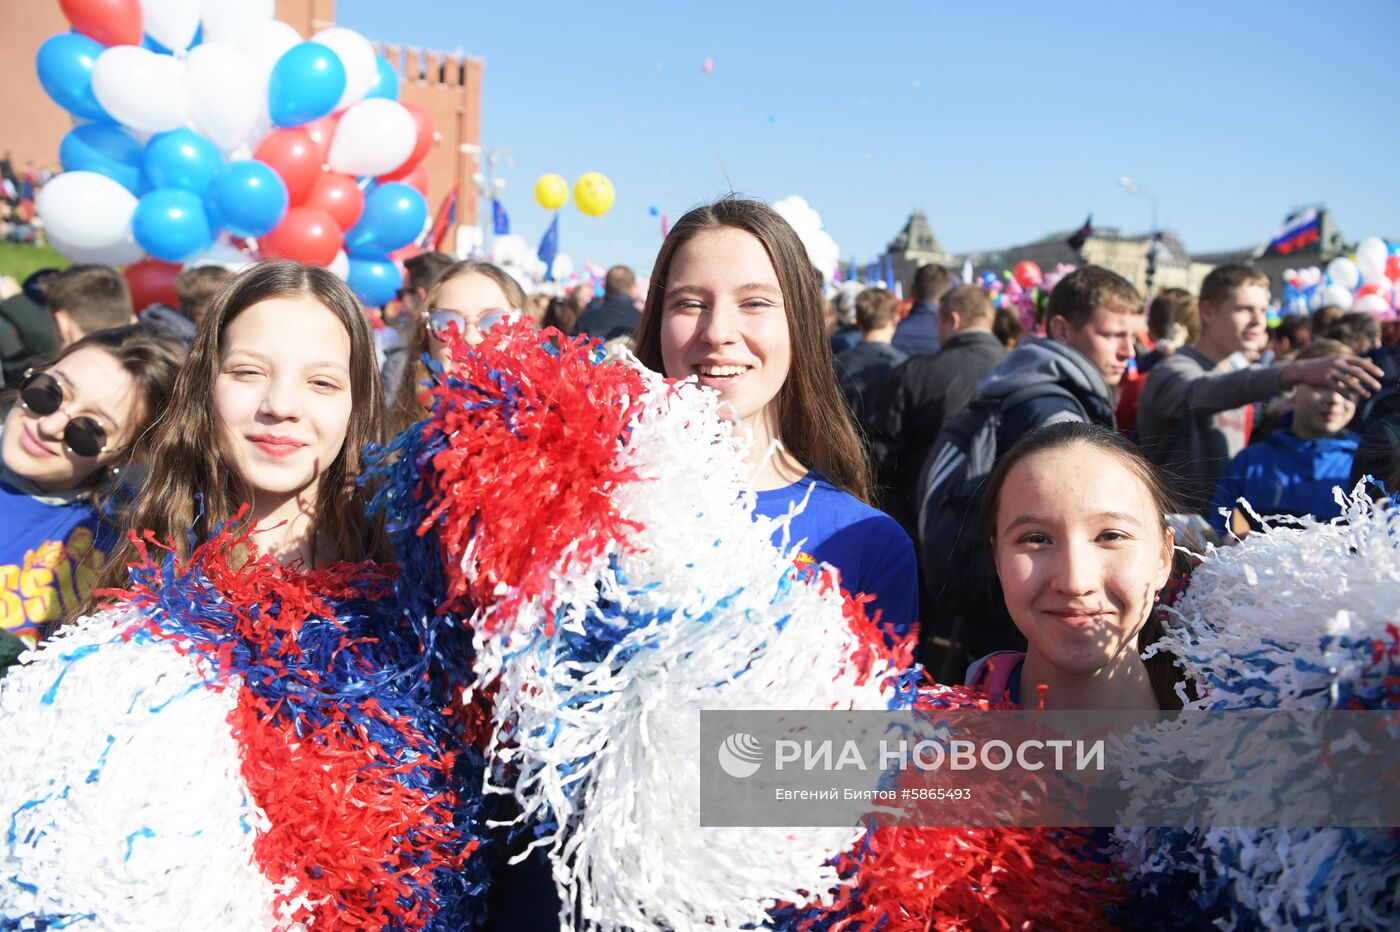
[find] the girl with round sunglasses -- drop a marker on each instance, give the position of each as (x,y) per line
(471,297)
(71,426)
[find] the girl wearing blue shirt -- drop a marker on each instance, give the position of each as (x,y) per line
(71,427)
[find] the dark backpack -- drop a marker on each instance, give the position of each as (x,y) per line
(954,551)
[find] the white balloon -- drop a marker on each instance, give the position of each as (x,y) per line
(231,20)
(510,249)
(357,55)
(1371,304)
(340,266)
(1370,258)
(86,209)
(1337,296)
(562,267)
(172,23)
(142,89)
(1344,272)
(373,137)
(223,101)
(87,217)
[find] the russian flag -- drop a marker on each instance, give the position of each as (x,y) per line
(1300,230)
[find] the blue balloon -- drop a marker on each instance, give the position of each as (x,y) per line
(386,80)
(184,159)
(248,198)
(107,149)
(306,84)
(65,63)
(374,279)
(172,224)
(394,217)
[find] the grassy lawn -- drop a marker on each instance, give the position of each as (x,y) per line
(20,259)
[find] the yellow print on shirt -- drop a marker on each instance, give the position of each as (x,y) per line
(55,578)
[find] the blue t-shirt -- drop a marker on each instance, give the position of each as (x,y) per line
(868,547)
(1286,475)
(50,552)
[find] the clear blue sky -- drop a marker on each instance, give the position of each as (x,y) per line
(1003,121)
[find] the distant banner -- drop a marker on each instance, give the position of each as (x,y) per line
(1258,768)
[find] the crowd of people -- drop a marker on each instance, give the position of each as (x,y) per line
(1010,502)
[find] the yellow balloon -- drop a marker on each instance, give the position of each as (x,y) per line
(594,194)
(551,191)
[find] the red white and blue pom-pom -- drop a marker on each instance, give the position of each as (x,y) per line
(596,526)
(249,748)
(1295,617)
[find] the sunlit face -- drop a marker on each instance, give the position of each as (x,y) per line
(462,302)
(1321,412)
(1239,322)
(94,385)
(1107,339)
(283,395)
(723,321)
(1081,553)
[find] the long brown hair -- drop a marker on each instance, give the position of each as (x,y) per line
(185,441)
(406,408)
(1162,671)
(812,421)
(148,358)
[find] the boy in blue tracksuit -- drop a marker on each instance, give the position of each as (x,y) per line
(1293,472)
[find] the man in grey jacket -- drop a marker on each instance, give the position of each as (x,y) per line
(1197,405)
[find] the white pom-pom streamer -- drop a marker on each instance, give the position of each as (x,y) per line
(697,611)
(122,806)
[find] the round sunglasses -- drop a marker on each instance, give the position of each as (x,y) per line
(42,393)
(440,319)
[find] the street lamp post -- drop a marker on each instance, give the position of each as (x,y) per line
(1132,188)
(488,188)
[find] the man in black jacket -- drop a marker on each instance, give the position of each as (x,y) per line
(615,314)
(926,391)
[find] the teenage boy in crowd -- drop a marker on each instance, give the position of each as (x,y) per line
(1197,407)
(84,299)
(1292,472)
(864,370)
(925,392)
(1092,318)
(917,333)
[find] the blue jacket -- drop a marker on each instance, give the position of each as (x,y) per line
(1286,475)
(917,334)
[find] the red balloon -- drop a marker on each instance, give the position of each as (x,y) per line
(322,130)
(1392,268)
(111,22)
(339,196)
(294,155)
(306,234)
(418,178)
(421,144)
(1374,288)
(1027,274)
(152,281)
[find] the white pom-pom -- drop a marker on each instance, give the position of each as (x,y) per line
(122,806)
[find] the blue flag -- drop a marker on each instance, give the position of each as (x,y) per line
(549,248)
(500,220)
(889,273)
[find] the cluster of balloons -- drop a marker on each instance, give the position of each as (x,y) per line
(197,121)
(1024,289)
(1368,281)
(593,193)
